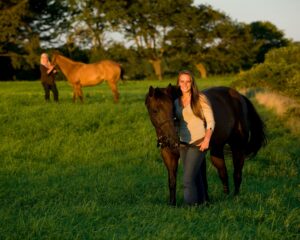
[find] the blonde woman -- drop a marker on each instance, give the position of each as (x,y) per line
(47,77)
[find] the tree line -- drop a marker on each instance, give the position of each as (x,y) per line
(160,37)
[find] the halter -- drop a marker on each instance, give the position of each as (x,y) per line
(165,121)
(164,141)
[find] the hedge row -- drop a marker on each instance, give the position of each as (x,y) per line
(280,72)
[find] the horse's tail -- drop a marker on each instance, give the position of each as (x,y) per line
(257,127)
(122,73)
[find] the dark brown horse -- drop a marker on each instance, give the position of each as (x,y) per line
(237,124)
(81,75)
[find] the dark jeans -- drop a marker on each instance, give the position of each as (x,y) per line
(194,175)
(48,88)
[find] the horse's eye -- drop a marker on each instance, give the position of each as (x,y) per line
(154,111)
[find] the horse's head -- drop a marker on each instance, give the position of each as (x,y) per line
(160,105)
(54,57)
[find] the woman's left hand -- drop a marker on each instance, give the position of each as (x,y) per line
(204,145)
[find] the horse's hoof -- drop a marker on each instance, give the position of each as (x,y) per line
(226,190)
(236,193)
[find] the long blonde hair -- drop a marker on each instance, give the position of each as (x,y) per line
(48,64)
(195,95)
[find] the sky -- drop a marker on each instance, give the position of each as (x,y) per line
(284,14)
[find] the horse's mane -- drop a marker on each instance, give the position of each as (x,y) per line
(68,60)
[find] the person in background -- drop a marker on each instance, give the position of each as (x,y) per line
(196,125)
(47,77)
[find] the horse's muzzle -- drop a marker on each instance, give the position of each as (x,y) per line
(164,141)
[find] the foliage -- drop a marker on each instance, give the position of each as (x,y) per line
(134,66)
(266,36)
(163,34)
(25,26)
(14,31)
(196,30)
(280,71)
(234,51)
(146,24)
(91,19)
(92,171)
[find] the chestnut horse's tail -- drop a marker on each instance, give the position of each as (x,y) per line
(122,73)
(257,137)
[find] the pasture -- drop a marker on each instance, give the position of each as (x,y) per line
(92,171)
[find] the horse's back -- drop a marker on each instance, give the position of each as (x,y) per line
(109,68)
(228,112)
(95,73)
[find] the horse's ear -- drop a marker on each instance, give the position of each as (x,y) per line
(169,89)
(151,91)
(55,52)
(173,91)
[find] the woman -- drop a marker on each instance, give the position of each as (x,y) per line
(196,124)
(47,77)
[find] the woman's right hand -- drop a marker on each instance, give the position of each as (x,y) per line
(51,67)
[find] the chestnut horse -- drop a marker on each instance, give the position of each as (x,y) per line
(81,75)
(236,123)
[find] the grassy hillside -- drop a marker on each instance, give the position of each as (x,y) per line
(92,171)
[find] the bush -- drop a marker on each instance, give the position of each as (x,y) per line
(280,72)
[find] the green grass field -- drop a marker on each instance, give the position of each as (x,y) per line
(92,171)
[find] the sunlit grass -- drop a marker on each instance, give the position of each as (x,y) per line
(92,171)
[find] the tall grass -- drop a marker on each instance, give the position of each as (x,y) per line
(92,171)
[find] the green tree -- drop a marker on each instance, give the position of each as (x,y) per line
(90,21)
(13,26)
(203,37)
(234,50)
(147,24)
(134,67)
(266,36)
(25,25)
(196,31)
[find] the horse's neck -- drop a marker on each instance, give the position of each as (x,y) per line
(66,65)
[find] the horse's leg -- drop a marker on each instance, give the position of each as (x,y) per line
(74,94)
(238,162)
(217,158)
(171,162)
(77,92)
(80,94)
(113,86)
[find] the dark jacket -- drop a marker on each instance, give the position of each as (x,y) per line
(47,78)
